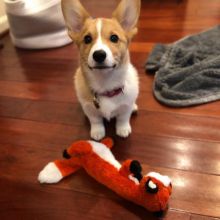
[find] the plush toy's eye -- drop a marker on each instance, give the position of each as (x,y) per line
(151,187)
(88,39)
(114,38)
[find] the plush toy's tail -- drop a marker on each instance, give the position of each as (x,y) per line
(53,172)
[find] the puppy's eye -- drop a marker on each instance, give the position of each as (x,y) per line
(87,39)
(114,38)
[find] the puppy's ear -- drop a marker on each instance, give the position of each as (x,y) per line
(74,15)
(127,14)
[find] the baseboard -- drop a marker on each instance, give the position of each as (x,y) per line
(3,24)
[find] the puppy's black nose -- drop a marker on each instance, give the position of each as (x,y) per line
(99,56)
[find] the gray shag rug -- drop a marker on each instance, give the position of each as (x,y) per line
(187,71)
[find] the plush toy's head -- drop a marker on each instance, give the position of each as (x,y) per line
(154,188)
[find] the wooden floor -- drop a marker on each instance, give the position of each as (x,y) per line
(40,116)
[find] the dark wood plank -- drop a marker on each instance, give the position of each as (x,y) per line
(176,215)
(51,90)
(174,125)
(147,101)
(12,107)
(199,217)
(36,90)
(71,205)
(61,204)
(151,120)
(29,132)
(199,156)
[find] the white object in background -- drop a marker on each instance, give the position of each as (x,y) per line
(3,24)
(36,24)
(3,18)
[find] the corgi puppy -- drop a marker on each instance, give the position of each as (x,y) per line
(106,82)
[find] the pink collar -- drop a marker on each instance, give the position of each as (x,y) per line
(108,94)
(111,93)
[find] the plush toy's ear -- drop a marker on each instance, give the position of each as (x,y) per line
(66,155)
(108,142)
(136,169)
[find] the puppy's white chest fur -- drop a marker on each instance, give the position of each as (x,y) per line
(111,107)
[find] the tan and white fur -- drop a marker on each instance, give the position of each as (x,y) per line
(114,71)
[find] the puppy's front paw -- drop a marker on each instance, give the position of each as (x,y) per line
(50,174)
(123,130)
(97,131)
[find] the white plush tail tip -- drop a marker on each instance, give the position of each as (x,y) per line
(50,174)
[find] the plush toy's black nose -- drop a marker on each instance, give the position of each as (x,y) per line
(66,155)
(99,56)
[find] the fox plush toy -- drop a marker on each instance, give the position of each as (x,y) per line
(151,191)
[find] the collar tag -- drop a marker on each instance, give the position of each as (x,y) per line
(96,101)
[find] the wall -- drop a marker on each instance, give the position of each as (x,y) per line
(3,18)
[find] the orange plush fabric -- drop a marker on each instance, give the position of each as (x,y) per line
(151,192)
